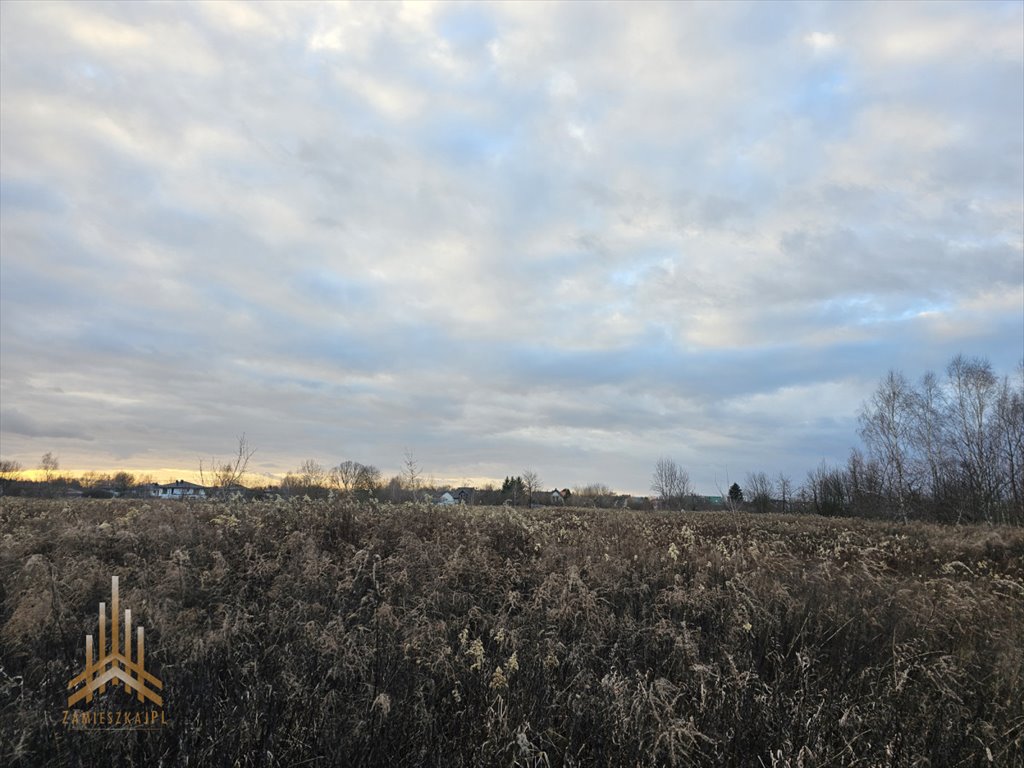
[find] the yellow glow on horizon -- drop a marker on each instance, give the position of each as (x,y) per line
(163,475)
(252,479)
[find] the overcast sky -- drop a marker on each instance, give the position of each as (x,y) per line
(568,237)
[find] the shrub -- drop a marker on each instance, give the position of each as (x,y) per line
(346,633)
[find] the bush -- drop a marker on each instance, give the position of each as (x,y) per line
(344,633)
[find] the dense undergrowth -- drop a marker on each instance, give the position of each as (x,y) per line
(327,634)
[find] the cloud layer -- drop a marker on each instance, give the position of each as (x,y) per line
(573,237)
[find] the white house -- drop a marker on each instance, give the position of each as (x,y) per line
(182,489)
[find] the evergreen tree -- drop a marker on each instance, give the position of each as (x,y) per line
(735,493)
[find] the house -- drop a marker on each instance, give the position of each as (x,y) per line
(464,495)
(547,498)
(182,489)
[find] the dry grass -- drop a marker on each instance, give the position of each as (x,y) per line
(322,634)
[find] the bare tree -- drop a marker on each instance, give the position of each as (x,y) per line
(592,495)
(312,474)
(760,491)
(670,481)
(368,479)
(122,482)
(954,445)
(930,439)
(9,471)
(1008,426)
(411,472)
(343,477)
(826,491)
(222,475)
(351,476)
(886,428)
(864,486)
(394,488)
(973,390)
(531,485)
(785,488)
(49,464)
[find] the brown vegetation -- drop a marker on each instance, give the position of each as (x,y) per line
(318,633)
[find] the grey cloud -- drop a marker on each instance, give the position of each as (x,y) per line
(19,423)
(574,237)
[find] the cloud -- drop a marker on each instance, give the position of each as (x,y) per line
(563,236)
(18,423)
(821,42)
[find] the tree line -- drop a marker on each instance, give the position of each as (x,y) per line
(946,448)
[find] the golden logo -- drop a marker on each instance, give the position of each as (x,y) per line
(113,666)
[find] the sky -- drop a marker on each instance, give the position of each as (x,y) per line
(566,237)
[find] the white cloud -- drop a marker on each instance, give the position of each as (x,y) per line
(821,42)
(509,234)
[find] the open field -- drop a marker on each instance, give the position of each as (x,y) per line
(327,634)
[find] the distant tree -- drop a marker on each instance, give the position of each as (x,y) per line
(368,478)
(761,490)
(826,490)
(1008,434)
(291,485)
(488,495)
(670,481)
(310,479)
(9,471)
(122,482)
(929,435)
(593,495)
(312,474)
(973,390)
(864,486)
(393,489)
(224,474)
(343,476)
(411,472)
(886,426)
(785,487)
(531,485)
(9,468)
(948,448)
(593,489)
(512,489)
(49,464)
(353,477)
(735,494)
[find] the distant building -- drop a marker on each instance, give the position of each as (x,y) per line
(464,495)
(182,489)
(547,498)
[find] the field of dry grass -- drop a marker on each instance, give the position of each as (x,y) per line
(327,634)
